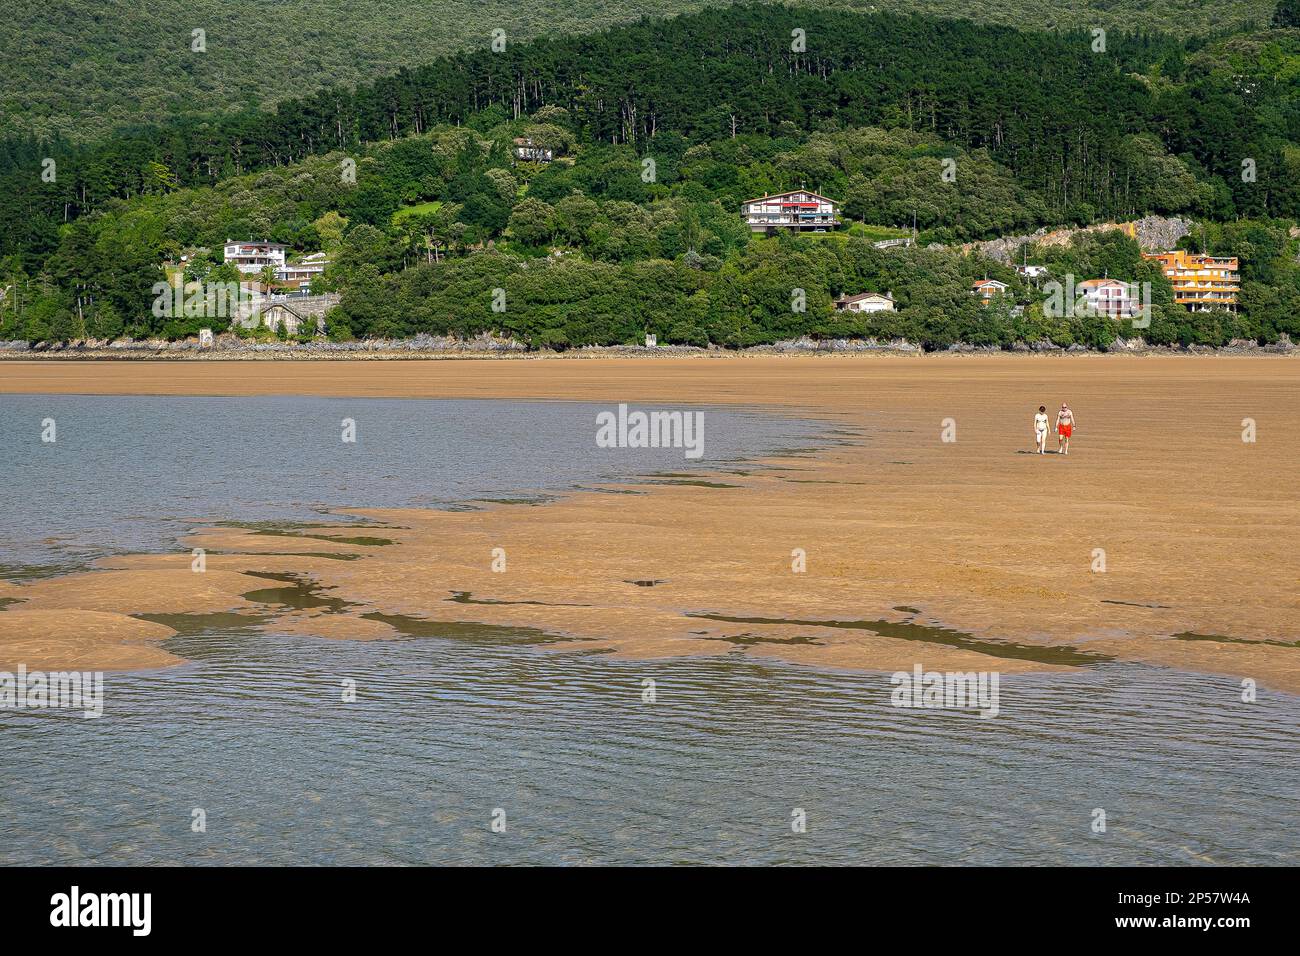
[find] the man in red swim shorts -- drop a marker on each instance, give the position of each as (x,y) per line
(1064,429)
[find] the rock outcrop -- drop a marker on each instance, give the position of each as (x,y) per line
(1153,233)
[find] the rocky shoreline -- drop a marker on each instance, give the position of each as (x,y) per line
(228,347)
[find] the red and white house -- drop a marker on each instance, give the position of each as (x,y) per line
(798,210)
(989,289)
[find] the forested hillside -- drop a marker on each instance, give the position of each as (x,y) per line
(413,189)
(1059,116)
(78,68)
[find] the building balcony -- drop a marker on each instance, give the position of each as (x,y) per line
(787,222)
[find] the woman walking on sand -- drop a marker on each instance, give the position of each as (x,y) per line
(1064,429)
(1040,429)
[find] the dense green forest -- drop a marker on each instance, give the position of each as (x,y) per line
(1050,108)
(78,68)
(661,130)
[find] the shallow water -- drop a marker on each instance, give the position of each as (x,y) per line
(460,721)
(445,731)
(131,473)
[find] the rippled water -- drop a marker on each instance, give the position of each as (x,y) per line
(131,473)
(448,729)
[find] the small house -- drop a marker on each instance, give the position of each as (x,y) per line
(989,289)
(529,151)
(865,302)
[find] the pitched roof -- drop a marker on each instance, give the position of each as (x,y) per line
(791,192)
(866,295)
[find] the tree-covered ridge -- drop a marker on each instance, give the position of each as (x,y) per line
(585,251)
(880,176)
(79,68)
(1069,122)
(660,132)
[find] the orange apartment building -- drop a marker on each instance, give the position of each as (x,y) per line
(1200,282)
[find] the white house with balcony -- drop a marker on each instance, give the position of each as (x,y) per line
(300,274)
(799,210)
(254,256)
(1109,297)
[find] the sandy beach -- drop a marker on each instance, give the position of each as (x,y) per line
(967,555)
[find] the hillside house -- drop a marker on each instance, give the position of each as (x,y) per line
(865,302)
(1109,297)
(252,257)
(798,210)
(989,289)
(532,152)
(299,275)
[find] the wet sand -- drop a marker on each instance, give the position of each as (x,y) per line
(963,555)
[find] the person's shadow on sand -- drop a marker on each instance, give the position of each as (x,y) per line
(1048,452)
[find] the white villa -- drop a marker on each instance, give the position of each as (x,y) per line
(865,302)
(799,210)
(1109,297)
(254,256)
(301,273)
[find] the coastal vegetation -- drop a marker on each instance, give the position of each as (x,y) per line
(433,222)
